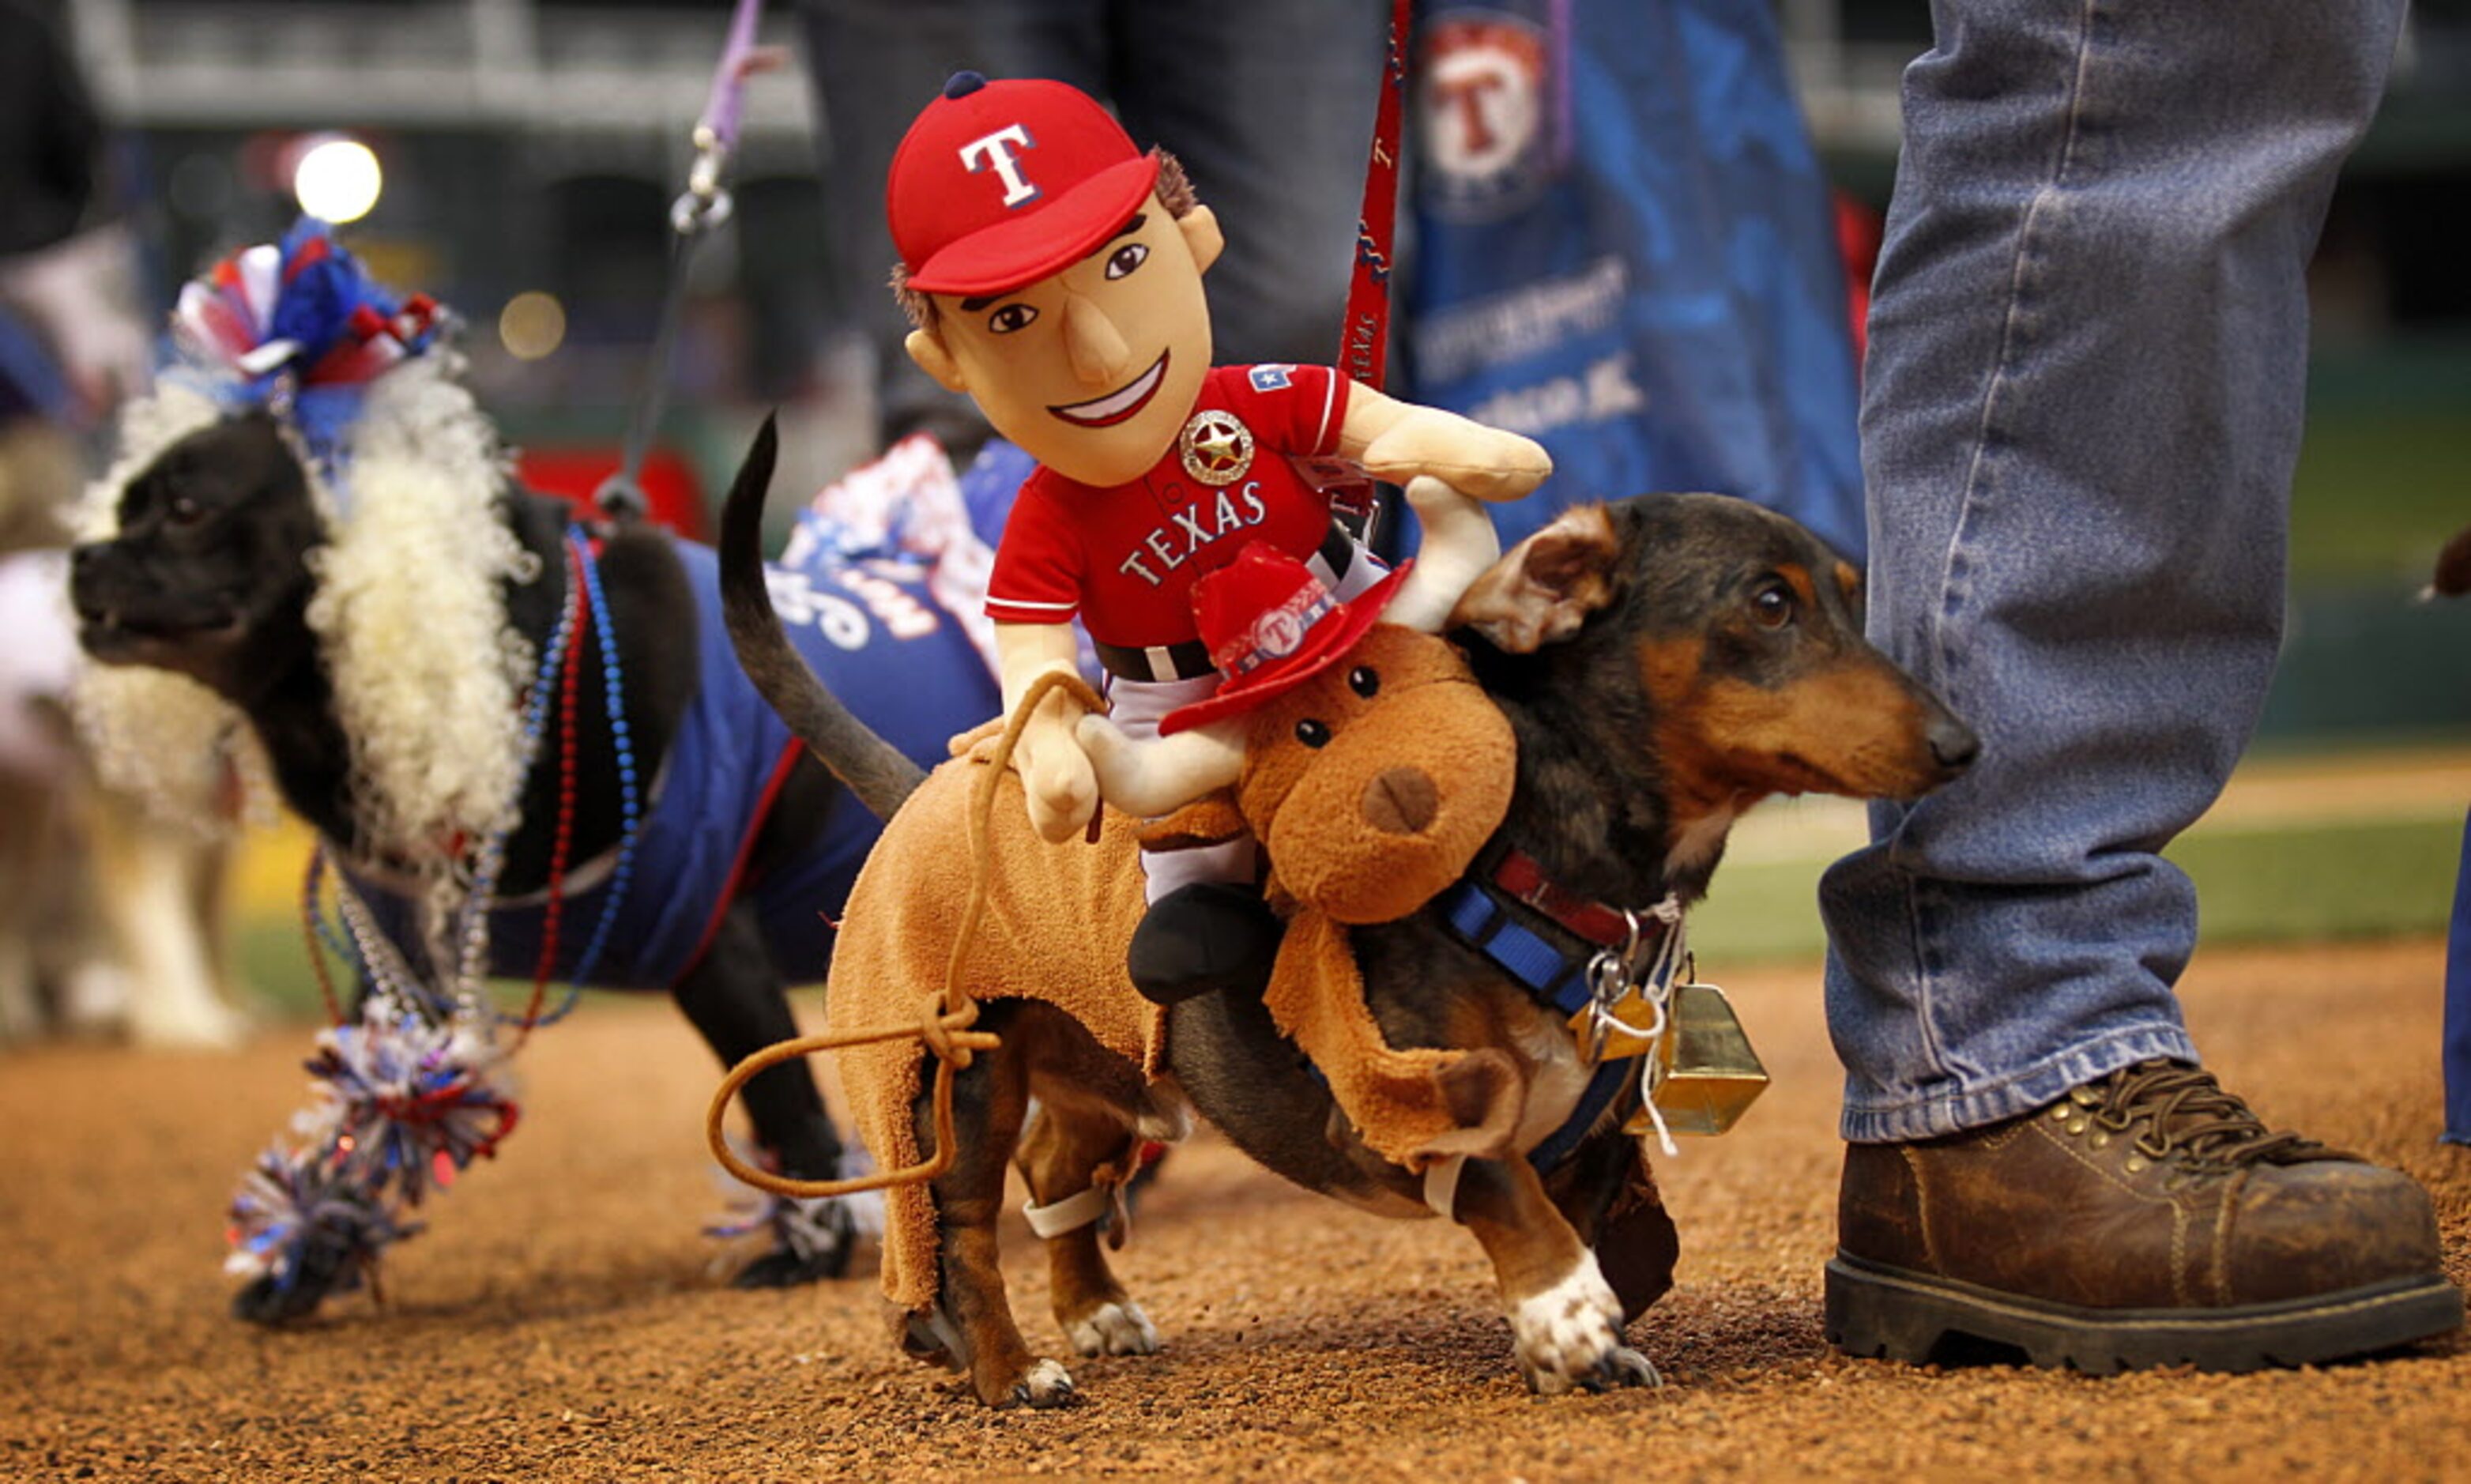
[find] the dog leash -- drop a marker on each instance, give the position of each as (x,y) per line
(943,1029)
(697,212)
(1364,331)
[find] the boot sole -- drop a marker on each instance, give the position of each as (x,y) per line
(1874,1310)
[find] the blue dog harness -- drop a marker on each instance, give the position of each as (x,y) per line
(881,644)
(1553,944)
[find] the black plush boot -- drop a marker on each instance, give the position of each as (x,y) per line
(1207,937)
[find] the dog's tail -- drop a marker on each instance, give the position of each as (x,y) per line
(872,768)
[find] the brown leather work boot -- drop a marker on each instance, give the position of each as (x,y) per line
(2146,1218)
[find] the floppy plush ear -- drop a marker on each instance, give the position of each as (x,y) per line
(1212,820)
(1546,586)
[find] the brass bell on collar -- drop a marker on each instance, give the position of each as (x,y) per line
(1711,1076)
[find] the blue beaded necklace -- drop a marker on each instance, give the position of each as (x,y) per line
(381,963)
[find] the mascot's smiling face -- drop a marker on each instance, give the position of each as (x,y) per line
(1093,369)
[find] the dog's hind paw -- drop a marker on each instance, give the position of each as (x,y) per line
(1624,1367)
(790,1270)
(1113,1329)
(1570,1335)
(1046,1386)
(816,1240)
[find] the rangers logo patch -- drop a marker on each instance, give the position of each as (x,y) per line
(1216,447)
(1485,115)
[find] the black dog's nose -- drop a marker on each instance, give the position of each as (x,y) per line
(83,565)
(1953,744)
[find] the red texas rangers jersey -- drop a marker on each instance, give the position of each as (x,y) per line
(1124,559)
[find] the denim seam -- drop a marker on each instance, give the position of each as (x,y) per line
(1921,920)
(2035,1087)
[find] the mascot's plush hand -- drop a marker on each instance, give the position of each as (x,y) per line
(1400,440)
(1056,776)
(1063,790)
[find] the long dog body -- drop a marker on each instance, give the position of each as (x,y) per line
(1665,663)
(212,574)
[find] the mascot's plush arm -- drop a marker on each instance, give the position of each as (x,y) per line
(1400,441)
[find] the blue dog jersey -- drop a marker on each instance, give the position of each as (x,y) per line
(881,644)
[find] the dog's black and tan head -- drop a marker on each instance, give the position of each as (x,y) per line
(1715,647)
(208,574)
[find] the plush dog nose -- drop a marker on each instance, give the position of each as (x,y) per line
(1953,744)
(1401,801)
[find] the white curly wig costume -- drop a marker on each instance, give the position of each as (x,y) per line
(408,611)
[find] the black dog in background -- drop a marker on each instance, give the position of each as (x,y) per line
(211,575)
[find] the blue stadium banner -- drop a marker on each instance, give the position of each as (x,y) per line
(1625,248)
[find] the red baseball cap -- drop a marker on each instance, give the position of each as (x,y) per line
(1271,625)
(1000,184)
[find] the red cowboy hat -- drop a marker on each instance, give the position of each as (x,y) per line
(997,185)
(1270,626)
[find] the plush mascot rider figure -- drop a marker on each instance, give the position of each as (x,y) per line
(1053,271)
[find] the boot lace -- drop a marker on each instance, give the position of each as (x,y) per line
(2187,1114)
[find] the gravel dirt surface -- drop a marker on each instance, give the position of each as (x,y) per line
(563,1319)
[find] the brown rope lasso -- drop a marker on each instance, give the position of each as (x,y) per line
(944,1029)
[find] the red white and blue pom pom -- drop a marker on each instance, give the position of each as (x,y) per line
(300,328)
(415,1100)
(297,1219)
(402,1104)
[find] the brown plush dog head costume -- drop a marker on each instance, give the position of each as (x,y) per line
(1374,767)
(1372,770)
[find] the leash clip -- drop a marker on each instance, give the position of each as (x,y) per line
(1613,977)
(705,203)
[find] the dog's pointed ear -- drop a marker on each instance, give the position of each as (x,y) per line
(1209,820)
(1547,585)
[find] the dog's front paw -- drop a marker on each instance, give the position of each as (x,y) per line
(318,1269)
(1570,1335)
(1113,1329)
(267,1301)
(1044,1386)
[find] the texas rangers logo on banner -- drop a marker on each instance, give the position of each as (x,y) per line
(1625,250)
(1486,119)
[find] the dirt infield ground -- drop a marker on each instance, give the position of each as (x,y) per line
(561,1319)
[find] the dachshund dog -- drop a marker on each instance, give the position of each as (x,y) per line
(213,573)
(1664,663)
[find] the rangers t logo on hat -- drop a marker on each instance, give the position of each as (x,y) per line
(1000,184)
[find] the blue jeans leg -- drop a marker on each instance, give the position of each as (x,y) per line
(2081,411)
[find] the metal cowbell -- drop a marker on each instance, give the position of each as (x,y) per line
(1710,1073)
